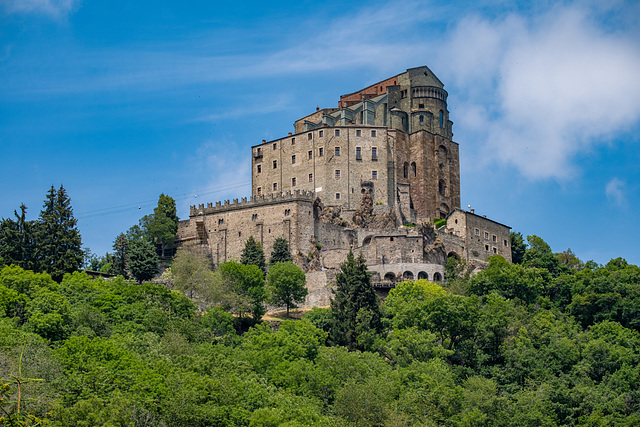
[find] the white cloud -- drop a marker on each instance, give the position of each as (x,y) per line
(615,191)
(552,86)
(55,9)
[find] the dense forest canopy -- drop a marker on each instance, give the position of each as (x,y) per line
(549,340)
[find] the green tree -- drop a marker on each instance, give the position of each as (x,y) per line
(120,256)
(246,283)
(539,255)
(143,261)
(253,254)
(163,225)
(354,301)
(192,270)
(58,239)
(286,284)
(17,241)
(280,252)
(518,247)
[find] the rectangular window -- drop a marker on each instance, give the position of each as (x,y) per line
(293,159)
(374,153)
(337,173)
(337,196)
(321,133)
(477,232)
(358,153)
(320,152)
(337,151)
(275,186)
(494,238)
(220,221)
(373,133)
(495,250)
(310,177)
(486,235)
(293,141)
(309,136)
(293,182)
(505,243)
(275,164)
(486,247)
(254,217)
(337,132)
(358,132)
(275,146)
(259,168)
(374,175)
(310,154)
(259,191)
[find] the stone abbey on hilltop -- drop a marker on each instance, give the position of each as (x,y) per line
(370,175)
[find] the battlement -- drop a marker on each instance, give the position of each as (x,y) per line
(252,202)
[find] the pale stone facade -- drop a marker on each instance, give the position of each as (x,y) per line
(351,178)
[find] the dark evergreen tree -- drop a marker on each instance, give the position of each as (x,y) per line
(280,252)
(163,224)
(355,308)
(58,239)
(253,254)
(17,241)
(143,260)
(518,247)
(120,255)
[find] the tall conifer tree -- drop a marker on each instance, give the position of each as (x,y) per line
(355,309)
(59,241)
(253,254)
(280,252)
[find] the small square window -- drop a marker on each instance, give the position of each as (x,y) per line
(337,173)
(275,164)
(293,158)
(310,177)
(293,141)
(310,154)
(373,133)
(259,167)
(321,133)
(337,132)
(374,175)
(420,105)
(358,132)
(293,182)
(337,196)
(320,152)
(275,186)
(275,146)
(337,151)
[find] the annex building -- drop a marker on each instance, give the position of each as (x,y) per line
(370,175)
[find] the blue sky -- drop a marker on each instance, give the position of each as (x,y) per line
(120,101)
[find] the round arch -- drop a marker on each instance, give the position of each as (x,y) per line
(437,277)
(390,276)
(407,275)
(423,275)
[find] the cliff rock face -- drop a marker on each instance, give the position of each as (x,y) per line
(364,217)
(328,215)
(434,251)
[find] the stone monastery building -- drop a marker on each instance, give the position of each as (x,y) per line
(370,175)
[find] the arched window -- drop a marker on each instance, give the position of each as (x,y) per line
(390,276)
(413,168)
(406,169)
(437,277)
(442,187)
(441,118)
(407,275)
(423,275)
